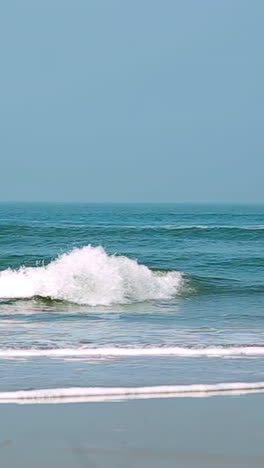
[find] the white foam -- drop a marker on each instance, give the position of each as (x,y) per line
(78,394)
(217,351)
(90,276)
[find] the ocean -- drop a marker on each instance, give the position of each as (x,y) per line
(130,298)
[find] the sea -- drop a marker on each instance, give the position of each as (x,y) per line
(130,299)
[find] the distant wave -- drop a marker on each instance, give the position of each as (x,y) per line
(45,226)
(89,276)
(216,351)
(77,394)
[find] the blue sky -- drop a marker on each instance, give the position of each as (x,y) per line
(130,101)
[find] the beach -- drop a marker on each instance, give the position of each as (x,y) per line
(213,432)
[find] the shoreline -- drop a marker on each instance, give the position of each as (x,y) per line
(104,394)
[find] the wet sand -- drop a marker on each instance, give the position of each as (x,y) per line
(214,432)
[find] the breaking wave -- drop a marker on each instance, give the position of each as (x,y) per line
(90,276)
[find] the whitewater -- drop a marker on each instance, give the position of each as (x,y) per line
(77,395)
(89,276)
(219,351)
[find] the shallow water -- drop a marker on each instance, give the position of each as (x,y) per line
(130,278)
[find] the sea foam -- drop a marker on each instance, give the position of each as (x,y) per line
(103,352)
(90,276)
(77,394)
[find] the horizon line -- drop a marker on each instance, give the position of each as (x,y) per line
(79,202)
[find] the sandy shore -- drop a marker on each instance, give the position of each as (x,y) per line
(223,431)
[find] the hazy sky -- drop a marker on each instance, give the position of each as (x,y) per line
(143,100)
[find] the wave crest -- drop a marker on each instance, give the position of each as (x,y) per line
(90,276)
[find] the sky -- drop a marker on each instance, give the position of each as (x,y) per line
(132,101)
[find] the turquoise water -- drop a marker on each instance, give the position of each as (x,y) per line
(78,278)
